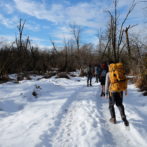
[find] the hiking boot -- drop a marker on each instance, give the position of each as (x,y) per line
(113,120)
(126,123)
(102,94)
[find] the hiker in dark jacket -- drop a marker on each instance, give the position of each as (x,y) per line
(97,73)
(90,72)
(115,98)
(103,73)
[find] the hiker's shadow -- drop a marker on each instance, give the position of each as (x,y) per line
(139,123)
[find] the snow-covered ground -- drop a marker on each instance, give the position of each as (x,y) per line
(66,113)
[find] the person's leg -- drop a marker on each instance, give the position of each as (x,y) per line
(99,77)
(96,78)
(119,103)
(102,93)
(103,90)
(88,80)
(102,86)
(111,108)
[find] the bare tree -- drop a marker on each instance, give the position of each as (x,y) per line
(54,49)
(128,41)
(76,32)
(66,47)
(19,40)
(102,47)
(116,32)
(54,53)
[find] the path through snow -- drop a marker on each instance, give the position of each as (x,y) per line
(67,114)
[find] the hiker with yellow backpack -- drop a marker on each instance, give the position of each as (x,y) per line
(116,84)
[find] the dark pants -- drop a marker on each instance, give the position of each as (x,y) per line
(116,98)
(89,80)
(102,80)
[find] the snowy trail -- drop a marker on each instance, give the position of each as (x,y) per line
(68,114)
(83,124)
(86,124)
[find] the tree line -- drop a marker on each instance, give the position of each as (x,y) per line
(116,43)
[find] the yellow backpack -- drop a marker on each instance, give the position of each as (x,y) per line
(118,80)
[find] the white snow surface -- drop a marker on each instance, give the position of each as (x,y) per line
(67,113)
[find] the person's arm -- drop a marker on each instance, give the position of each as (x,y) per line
(107,83)
(126,92)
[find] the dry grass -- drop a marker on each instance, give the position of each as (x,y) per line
(62,75)
(141,83)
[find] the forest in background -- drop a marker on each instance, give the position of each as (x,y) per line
(116,43)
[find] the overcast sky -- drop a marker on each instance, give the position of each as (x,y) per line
(47,19)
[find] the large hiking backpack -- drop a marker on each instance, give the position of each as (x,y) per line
(118,80)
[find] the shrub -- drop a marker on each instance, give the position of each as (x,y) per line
(62,75)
